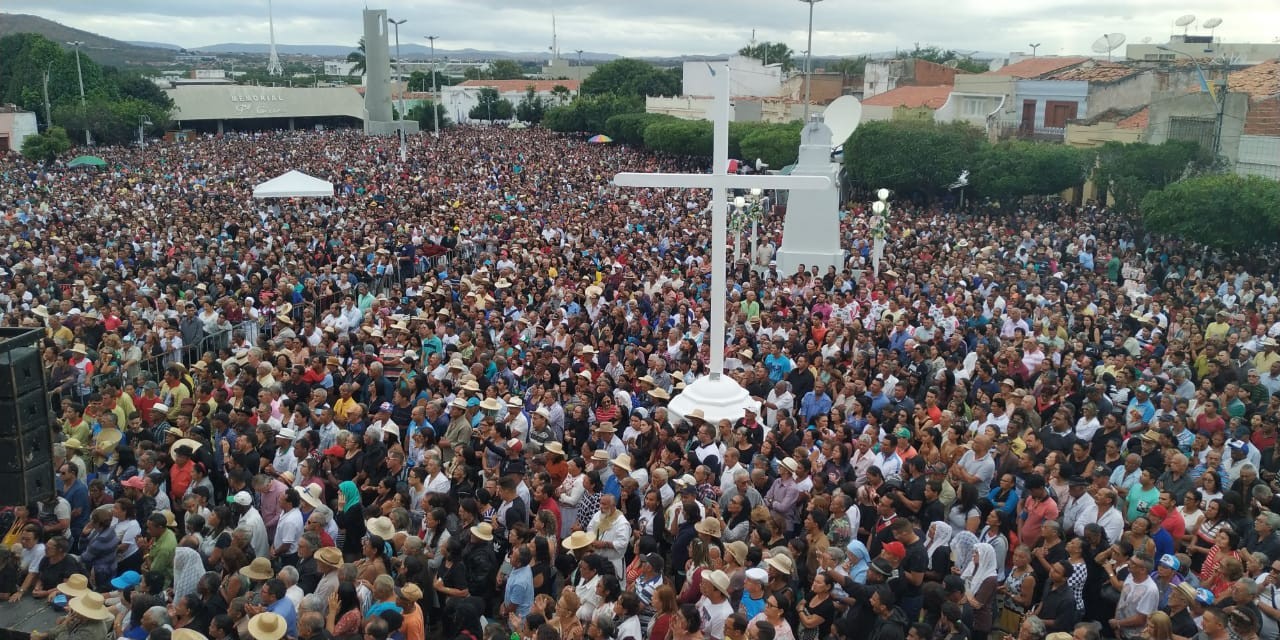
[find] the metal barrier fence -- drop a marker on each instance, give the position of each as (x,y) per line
(260,331)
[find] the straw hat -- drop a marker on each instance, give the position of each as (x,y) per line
(329,556)
(782,563)
(606,427)
(601,455)
(109,438)
(502,283)
(259,569)
(380,526)
(91,606)
(660,393)
(623,460)
(790,464)
(187,634)
(312,495)
(80,349)
(73,443)
(696,414)
(578,540)
(737,549)
(483,531)
(75,586)
(459,403)
(491,404)
(471,385)
(554,447)
(708,526)
(719,580)
(267,626)
(169,521)
(411,592)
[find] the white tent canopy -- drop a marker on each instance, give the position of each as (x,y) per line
(294,184)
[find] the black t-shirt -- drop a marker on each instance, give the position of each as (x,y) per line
(52,574)
(1059,605)
(917,560)
(826,609)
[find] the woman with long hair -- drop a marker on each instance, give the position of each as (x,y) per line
(343,612)
(775,607)
(738,524)
(374,559)
(565,619)
(1017,591)
(1226,548)
(1159,627)
(99,554)
(665,609)
(1206,535)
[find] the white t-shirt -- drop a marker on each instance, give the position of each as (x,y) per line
(288,530)
(1138,597)
(713,617)
(31,558)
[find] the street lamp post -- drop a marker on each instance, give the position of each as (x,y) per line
(579,72)
(404,152)
(435,91)
(1220,104)
(142,122)
(878,228)
(808,55)
(80,76)
(748,209)
(1033,48)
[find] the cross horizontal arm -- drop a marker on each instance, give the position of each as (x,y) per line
(709,181)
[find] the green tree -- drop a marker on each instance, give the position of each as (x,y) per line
(531,107)
(561,94)
(506,70)
(943,56)
(771,53)
(911,156)
(590,113)
(680,137)
(848,66)
(1128,172)
(46,146)
(357,57)
(421,81)
(1222,210)
(110,121)
(628,128)
(776,144)
(491,106)
(1011,170)
(421,113)
(630,77)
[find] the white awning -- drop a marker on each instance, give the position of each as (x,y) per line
(294,184)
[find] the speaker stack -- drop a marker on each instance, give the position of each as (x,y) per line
(26,460)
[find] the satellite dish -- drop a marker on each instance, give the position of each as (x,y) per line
(842,117)
(761,165)
(1146,40)
(1212,23)
(1185,20)
(1108,43)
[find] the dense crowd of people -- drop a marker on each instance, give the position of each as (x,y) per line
(435,405)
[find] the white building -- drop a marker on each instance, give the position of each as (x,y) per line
(747,76)
(338,68)
(1204,47)
(459,99)
(15,126)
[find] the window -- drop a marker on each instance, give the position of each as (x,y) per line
(973,107)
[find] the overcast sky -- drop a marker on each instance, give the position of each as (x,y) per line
(669,27)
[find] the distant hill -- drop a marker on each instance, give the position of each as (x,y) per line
(103,50)
(410,51)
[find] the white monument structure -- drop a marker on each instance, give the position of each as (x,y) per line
(718,395)
(811,232)
(377,70)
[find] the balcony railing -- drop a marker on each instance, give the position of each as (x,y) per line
(1017,131)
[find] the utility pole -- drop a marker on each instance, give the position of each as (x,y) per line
(808,55)
(404,152)
(84,108)
(47,122)
(579,73)
(435,91)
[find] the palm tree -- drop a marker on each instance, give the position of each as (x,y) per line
(561,93)
(358,58)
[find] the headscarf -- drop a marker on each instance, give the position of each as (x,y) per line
(984,568)
(962,549)
(351,492)
(861,561)
(188,568)
(939,536)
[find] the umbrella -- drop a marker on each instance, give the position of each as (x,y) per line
(517,125)
(599,138)
(87,161)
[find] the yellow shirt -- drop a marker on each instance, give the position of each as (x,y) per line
(343,405)
(1216,330)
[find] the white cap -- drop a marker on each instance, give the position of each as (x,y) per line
(243,499)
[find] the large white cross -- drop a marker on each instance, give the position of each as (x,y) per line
(719,181)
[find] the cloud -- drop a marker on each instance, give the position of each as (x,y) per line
(666,27)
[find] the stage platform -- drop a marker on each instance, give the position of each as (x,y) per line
(19,619)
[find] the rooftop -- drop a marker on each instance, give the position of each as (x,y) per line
(1136,121)
(1259,81)
(1031,68)
(540,86)
(1097,72)
(911,97)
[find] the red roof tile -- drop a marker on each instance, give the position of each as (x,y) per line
(540,86)
(911,97)
(1036,67)
(1259,81)
(1136,121)
(1099,72)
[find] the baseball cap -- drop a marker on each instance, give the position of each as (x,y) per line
(1159,511)
(243,499)
(882,567)
(336,450)
(386,406)
(895,549)
(1204,596)
(1171,561)
(127,580)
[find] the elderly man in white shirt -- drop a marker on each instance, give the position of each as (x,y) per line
(612,532)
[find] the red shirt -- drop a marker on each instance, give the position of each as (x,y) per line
(1210,425)
(1175,525)
(180,479)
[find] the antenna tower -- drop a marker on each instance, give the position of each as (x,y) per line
(273,60)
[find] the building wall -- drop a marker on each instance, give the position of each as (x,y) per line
(1259,156)
(747,77)
(1136,91)
(873,113)
(237,102)
(882,77)
(17,126)
(696,108)
(560,68)
(1250,53)
(1166,106)
(1087,136)
(458,100)
(976,96)
(1045,91)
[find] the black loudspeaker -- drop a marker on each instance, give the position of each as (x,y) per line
(26,460)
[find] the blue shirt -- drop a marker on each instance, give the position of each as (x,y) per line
(814,405)
(284,608)
(778,366)
(520,590)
